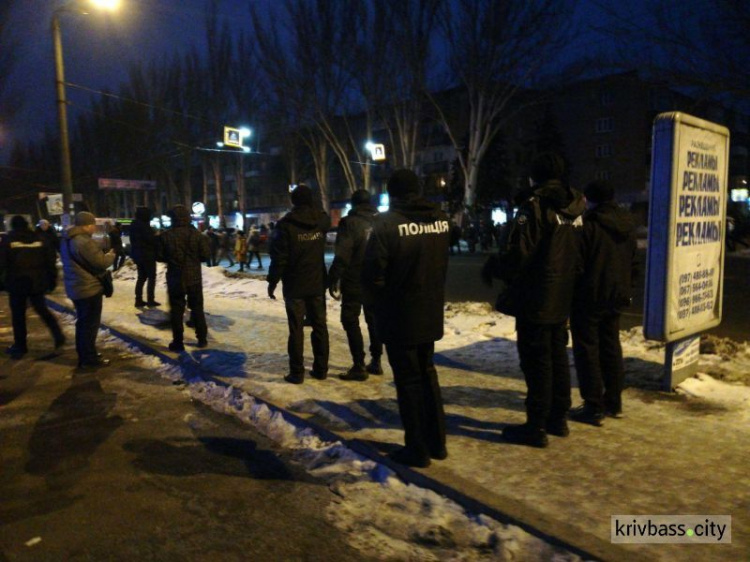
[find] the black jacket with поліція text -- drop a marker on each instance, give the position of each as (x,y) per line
(297,252)
(351,240)
(27,261)
(404,271)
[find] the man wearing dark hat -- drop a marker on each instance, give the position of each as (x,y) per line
(27,264)
(539,263)
(602,292)
(83,260)
(297,260)
(405,265)
(183,249)
(345,282)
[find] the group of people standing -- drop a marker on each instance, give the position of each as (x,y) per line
(235,246)
(557,262)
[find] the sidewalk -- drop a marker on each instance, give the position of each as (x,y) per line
(670,455)
(121,464)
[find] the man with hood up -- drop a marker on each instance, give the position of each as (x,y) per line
(539,262)
(297,260)
(604,289)
(405,266)
(183,249)
(27,263)
(143,242)
(345,282)
(82,260)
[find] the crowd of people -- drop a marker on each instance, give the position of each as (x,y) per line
(559,265)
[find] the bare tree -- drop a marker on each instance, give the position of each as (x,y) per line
(495,50)
(703,47)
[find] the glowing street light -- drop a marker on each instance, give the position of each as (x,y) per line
(80,7)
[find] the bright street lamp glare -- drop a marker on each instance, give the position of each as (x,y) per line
(246,148)
(219,144)
(370,146)
(106,4)
(245,132)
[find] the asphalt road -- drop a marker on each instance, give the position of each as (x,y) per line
(120,464)
(464,284)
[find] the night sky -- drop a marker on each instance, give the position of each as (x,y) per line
(98,49)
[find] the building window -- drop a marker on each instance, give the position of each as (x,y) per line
(604,125)
(602,175)
(605,97)
(604,150)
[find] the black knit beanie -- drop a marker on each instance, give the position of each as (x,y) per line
(402,183)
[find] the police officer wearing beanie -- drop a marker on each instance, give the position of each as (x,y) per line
(297,261)
(539,263)
(345,282)
(27,264)
(83,260)
(602,292)
(405,266)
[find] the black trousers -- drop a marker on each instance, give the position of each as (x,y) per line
(119,260)
(147,276)
(18,303)
(598,358)
(251,255)
(194,296)
(351,306)
(544,362)
(420,402)
(314,309)
(88,318)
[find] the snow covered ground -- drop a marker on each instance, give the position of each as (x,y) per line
(672,454)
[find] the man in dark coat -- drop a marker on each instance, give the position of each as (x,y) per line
(345,277)
(115,239)
(183,249)
(602,292)
(143,244)
(83,260)
(405,266)
(27,263)
(539,263)
(297,260)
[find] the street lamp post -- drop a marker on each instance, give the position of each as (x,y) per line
(66,176)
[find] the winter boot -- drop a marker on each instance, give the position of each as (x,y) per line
(374,367)
(586,413)
(525,434)
(356,373)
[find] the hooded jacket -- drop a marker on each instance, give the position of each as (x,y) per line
(541,257)
(80,283)
(143,239)
(351,240)
(183,249)
(27,262)
(297,252)
(608,250)
(404,271)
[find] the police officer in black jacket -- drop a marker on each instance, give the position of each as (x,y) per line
(405,266)
(27,263)
(184,249)
(539,263)
(345,281)
(602,292)
(297,260)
